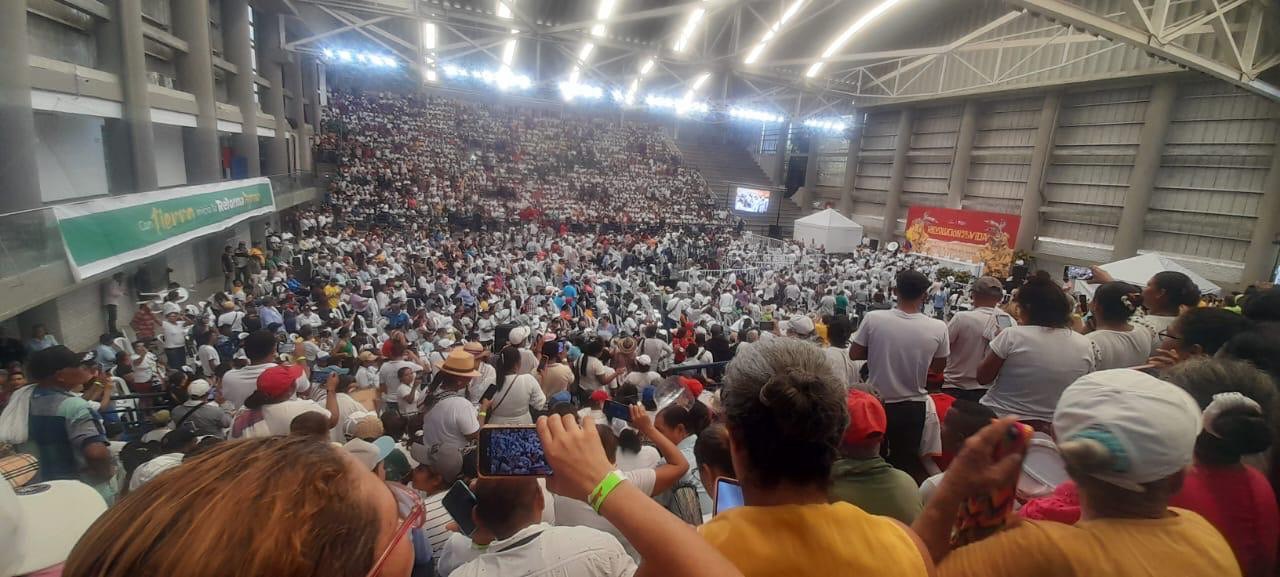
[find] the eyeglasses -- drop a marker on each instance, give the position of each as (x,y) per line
(1165,334)
(411,513)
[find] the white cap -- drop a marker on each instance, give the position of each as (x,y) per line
(170,307)
(800,325)
(41,523)
(198,388)
(1149,425)
(518,335)
(644,360)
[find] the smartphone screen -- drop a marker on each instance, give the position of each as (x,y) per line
(617,410)
(1079,272)
(1004,321)
(728,495)
(459,502)
(512,451)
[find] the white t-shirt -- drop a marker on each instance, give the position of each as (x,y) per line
(1039,363)
(1121,350)
(388,376)
(528,362)
(511,404)
(647,458)
(367,377)
(449,423)
(593,378)
(276,418)
(845,369)
(234,319)
(1156,325)
(175,335)
(554,552)
(207,357)
(238,384)
(970,334)
(575,513)
(346,406)
(900,347)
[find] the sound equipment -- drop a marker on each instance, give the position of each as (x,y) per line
(796,168)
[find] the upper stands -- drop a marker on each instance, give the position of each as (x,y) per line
(396,152)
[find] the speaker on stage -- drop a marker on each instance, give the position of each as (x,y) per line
(795,174)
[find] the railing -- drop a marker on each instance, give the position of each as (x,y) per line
(30,238)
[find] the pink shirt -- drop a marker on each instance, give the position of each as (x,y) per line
(1239,502)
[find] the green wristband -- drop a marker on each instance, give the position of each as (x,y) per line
(602,491)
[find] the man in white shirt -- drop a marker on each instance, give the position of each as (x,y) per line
(260,348)
(901,346)
(511,510)
(970,334)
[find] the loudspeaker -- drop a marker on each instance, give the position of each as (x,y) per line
(795,175)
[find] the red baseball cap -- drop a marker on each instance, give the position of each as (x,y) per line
(599,395)
(866,418)
(278,382)
(694,386)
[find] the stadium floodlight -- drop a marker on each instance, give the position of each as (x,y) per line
(328,53)
(681,106)
(646,67)
(848,35)
(344,55)
(585,52)
(572,90)
(832,125)
(755,115)
(429,35)
(773,31)
(431,75)
(598,30)
(690,26)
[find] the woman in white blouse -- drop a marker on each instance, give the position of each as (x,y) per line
(1118,344)
(516,392)
(1030,365)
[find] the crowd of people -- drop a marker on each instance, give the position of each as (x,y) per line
(509,164)
(877,414)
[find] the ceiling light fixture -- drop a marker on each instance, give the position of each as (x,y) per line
(848,34)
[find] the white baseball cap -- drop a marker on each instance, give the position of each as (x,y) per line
(800,325)
(1149,426)
(198,388)
(41,523)
(644,360)
(518,335)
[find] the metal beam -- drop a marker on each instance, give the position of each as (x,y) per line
(649,14)
(374,28)
(340,17)
(1187,25)
(1075,16)
(338,30)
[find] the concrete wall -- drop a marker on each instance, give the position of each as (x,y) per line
(70,157)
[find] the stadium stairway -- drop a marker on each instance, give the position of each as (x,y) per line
(724,165)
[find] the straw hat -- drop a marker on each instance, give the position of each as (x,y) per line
(459,363)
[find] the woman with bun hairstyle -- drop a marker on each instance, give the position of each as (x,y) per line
(1117,344)
(1239,403)
(1029,365)
(785,413)
(1127,439)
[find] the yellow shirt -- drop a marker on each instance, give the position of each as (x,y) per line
(813,541)
(331,294)
(1183,544)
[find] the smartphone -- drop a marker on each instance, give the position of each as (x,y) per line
(1079,272)
(1004,321)
(728,495)
(459,502)
(512,451)
(617,410)
(984,515)
(766,325)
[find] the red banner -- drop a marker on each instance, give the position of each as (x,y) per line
(964,235)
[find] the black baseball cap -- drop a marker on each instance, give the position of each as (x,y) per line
(47,362)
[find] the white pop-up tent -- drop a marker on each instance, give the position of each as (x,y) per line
(829,229)
(1139,269)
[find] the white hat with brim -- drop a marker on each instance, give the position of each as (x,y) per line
(42,523)
(1151,423)
(518,335)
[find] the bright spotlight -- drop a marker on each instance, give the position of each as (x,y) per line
(344,55)
(328,53)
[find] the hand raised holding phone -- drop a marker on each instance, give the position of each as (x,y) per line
(574,453)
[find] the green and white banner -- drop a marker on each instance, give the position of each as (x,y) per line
(105,233)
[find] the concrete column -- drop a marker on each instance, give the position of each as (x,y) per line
(195,73)
(127,17)
(851,166)
(898,175)
(310,85)
(1033,197)
(960,161)
(1261,256)
(19,179)
(235,45)
(1146,163)
(271,48)
(302,134)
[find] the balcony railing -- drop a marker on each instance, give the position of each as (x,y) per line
(30,238)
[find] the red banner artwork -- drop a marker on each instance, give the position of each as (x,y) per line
(964,235)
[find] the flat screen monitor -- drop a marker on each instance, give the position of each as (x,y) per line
(752,200)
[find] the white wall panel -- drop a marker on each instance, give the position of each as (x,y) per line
(1001,158)
(69,156)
